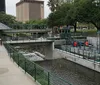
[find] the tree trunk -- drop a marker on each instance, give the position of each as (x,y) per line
(75,25)
(98,27)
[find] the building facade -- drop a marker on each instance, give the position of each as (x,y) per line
(2,6)
(29,10)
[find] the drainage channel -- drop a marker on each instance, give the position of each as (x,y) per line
(72,72)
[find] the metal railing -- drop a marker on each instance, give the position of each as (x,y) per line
(84,52)
(25,38)
(37,72)
(28,26)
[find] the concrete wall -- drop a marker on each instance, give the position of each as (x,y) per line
(45,48)
(59,42)
(22,12)
(26,11)
(36,11)
(49,51)
(76,59)
(42,10)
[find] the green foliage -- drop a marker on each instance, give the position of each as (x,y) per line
(37,22)
(7,19)
(54,19)
(55,4)
(62,16)
(87,11)
(68,11)
(33,24)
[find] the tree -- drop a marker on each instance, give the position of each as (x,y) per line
(54,4)
(7,19)
(70,17)
(65,15)
(37,22)
(56,19)
(88,11)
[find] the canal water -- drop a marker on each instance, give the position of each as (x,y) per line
(72,72)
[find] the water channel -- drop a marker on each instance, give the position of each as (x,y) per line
(72,72)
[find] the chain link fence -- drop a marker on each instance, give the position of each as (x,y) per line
(37,72)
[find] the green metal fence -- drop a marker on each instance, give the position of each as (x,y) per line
(28,26)
(84,52)
(37,72)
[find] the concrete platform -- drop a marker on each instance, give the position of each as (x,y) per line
(77,59)
(10,74)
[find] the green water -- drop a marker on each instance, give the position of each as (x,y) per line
(74,73)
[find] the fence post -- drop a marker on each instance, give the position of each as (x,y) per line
(89,54)
(13,55)
(83,53)
(70,50)
(18,60)
(35,71)
(9,52)
(48,78)
(95,56)
(74,52)
(25,65)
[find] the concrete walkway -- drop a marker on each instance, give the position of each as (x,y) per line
(10,74)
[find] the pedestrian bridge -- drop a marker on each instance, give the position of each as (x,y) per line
(29,41)
(44,46)
(27,31)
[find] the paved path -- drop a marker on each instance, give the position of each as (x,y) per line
(10,74)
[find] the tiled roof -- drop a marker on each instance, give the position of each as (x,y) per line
(4,27)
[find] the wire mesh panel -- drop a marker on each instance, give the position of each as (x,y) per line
(41,76)
(16,57)
(22,62)
(30,68)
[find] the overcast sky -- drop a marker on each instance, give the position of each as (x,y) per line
(11,7)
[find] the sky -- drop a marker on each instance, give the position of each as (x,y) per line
(11,7)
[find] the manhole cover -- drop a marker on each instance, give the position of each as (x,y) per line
(3,70)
